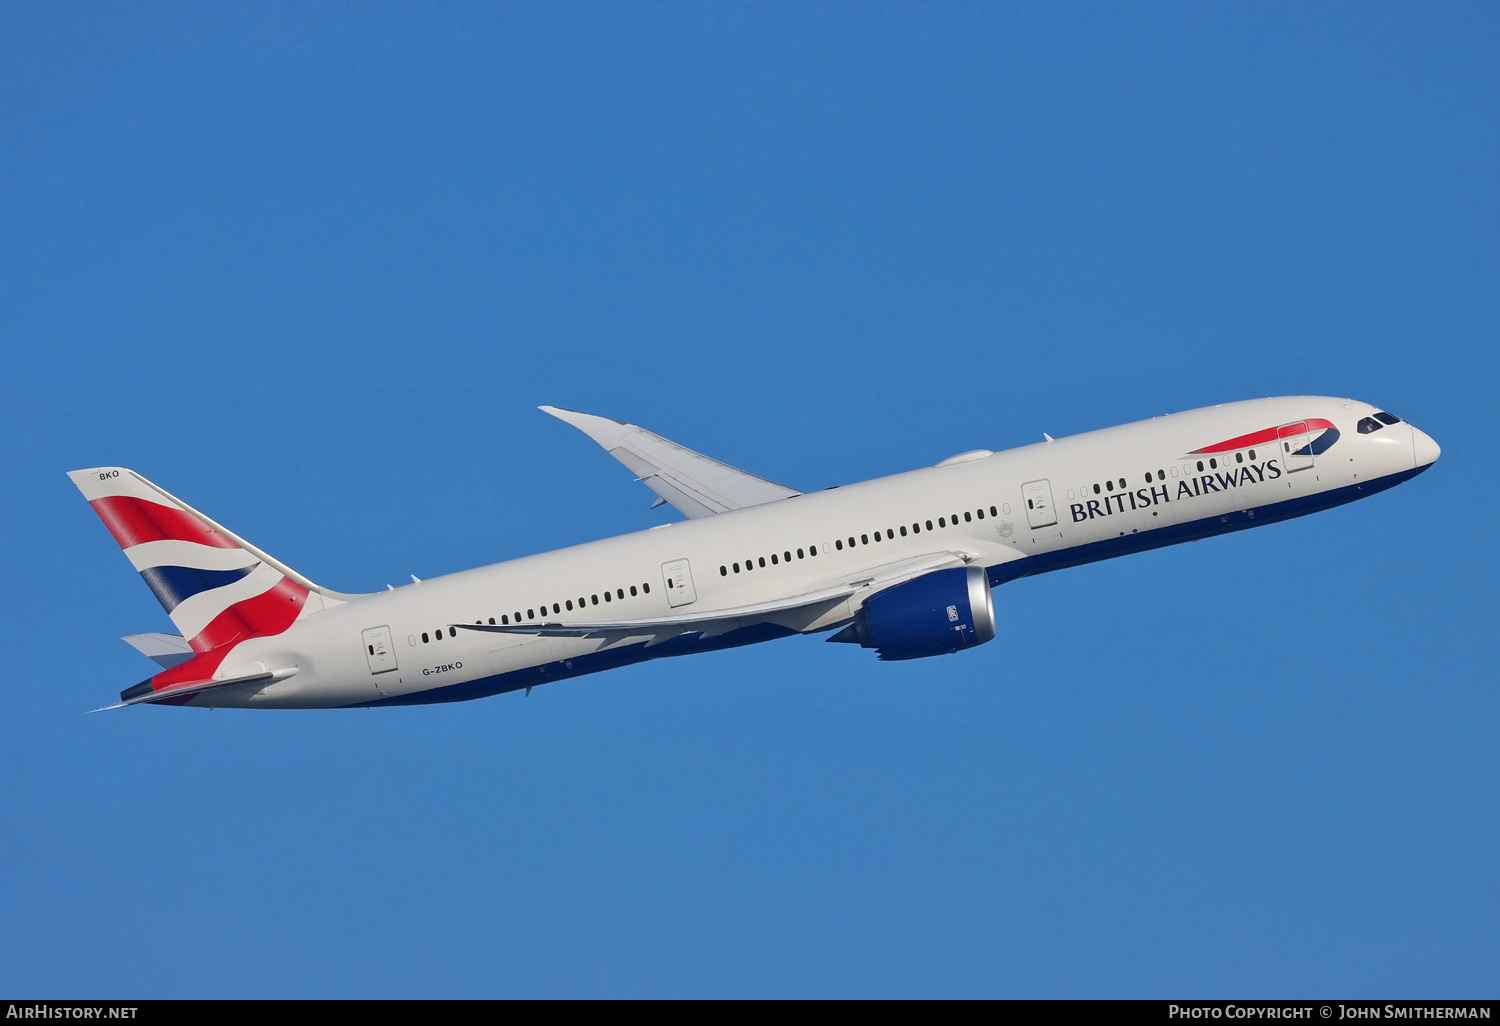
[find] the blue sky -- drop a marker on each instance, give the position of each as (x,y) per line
(312,268)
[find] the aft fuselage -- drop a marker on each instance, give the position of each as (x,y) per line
(1019,512)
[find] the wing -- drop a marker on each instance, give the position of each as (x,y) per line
(696,485)
(797,612)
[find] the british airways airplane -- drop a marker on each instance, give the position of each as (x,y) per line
(902,564)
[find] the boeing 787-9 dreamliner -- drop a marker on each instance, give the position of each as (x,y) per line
(903,565)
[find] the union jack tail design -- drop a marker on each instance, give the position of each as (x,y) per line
(217,588)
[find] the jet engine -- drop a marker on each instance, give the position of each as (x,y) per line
(937,613)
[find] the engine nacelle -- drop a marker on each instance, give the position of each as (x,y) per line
(941,612)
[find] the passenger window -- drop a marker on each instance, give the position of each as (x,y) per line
(799,554)
(1161,475)
(452,632)
(916,528)
(761,561)
(903,530)
(556,608)
(1368,425)
(851,543)
(1200,465)
(608,597)
(839,545)
(992,512)
(1239,457)
(619,593)
(812,550)
(632,591)
(723,572)
(736,568)
(929,525)
(1387,418)
(786,557)
(1109,486)
(1096,489)
(774,560)
(437,635)
(646,588)
(968,517)
(570,605)
(518,616)
(942,522)
(1122,482)
(424,637)
(864,539)
(1252,455)
(505,620)
(979,513)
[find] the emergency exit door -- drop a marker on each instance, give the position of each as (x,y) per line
(1037,497)
(678,577)
(379,651)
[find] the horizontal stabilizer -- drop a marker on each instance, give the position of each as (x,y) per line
(696,485)
(165,650)
(143,692)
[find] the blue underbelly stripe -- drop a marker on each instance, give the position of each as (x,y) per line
(689,644)
(1193,530)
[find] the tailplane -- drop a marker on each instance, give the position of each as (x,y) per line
(217,588)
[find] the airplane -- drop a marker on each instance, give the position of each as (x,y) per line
(902,565)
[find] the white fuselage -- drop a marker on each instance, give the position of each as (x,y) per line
(1093,517)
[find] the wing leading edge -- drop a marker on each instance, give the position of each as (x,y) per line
(694,484)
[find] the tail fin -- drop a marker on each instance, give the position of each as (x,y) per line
(216,587)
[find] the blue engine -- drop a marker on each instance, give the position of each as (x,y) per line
(941,612)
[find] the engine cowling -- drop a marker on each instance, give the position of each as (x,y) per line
(935,614)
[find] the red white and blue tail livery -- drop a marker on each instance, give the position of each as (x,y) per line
(218,589)
(902,565)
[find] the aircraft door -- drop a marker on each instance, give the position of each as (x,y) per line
(1037,495)
(678,577)
(379,651)
(1296,442)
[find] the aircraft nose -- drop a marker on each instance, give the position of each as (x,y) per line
(1424,448)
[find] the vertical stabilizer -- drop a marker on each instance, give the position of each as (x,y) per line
(217,588)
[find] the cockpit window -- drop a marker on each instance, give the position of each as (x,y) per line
(1368,425)
(1387,418)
